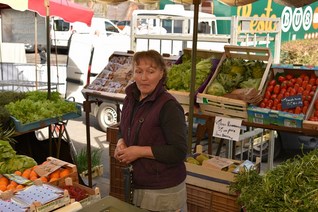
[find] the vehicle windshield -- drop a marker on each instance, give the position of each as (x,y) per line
(60,25)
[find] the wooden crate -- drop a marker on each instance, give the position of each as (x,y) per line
(183,97)
(307,124)
(116,168)
(206,200)
(223,106)
(73,172)
(93,193)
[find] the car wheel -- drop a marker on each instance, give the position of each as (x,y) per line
(106,116)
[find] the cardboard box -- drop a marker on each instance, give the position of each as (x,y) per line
(54,164)
(258,115)
(210,178)
(93,194)
(223,106)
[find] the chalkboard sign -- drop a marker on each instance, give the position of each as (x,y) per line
(292,102)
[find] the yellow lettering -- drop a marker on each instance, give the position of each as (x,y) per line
(257,26)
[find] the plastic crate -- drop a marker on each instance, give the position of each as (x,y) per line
(19,127)
(223,106)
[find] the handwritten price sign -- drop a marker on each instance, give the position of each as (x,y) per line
(227,128)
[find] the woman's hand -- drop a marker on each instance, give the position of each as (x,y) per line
(120,146)
(132,153)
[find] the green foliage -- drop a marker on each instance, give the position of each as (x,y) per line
(81,159)
(237,73)
(35,106)
(291,186)
(179,75)
(302,52)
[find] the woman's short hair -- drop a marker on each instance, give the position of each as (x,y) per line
(155,57)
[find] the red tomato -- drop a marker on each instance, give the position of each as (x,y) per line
(279,106)
(305,93)
(286,94)
(290,84)
(273,96)
(296,87)
(270,88)
(284,84)
(276,89)
(281,79)
(283,90)
(272,82)
(267,94)
(312,81)
(303,75)
(299,81)
(300,90)
(289,76)
(293,80)
(306,78)
(304,84)
(314,87)
(292,92)
(262,104)
(280,96)
(306,103)
(297,110)
(304,110)
(316,104)
(276,102)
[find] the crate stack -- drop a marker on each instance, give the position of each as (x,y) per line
(116,168)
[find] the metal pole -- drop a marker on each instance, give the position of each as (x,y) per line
(193,71)
(48,48)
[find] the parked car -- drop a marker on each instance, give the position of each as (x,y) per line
(122,24)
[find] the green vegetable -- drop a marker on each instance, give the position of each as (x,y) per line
(35,106)
(290,186)
(16,163)
(6,150)
(251,83)
(179,75)
(216,89)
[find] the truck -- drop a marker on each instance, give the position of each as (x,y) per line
(23,27)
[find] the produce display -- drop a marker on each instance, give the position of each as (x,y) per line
(36,106)
(117,74)
(179,75)
(286,85)
(10,162)
(236,73)
(214,162)
(290,186)
(76,193)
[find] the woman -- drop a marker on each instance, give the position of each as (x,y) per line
(152,137)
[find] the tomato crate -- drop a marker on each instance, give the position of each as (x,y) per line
(309,122)
(297,90)
(229,107)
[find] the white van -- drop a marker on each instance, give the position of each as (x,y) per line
(61,31)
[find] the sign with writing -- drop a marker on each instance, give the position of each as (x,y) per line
(292,102)
(227,128)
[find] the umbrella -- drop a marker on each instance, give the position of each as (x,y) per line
(69,11)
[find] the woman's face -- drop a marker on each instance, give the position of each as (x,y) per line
(147,76)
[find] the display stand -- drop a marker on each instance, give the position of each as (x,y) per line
(209,123)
